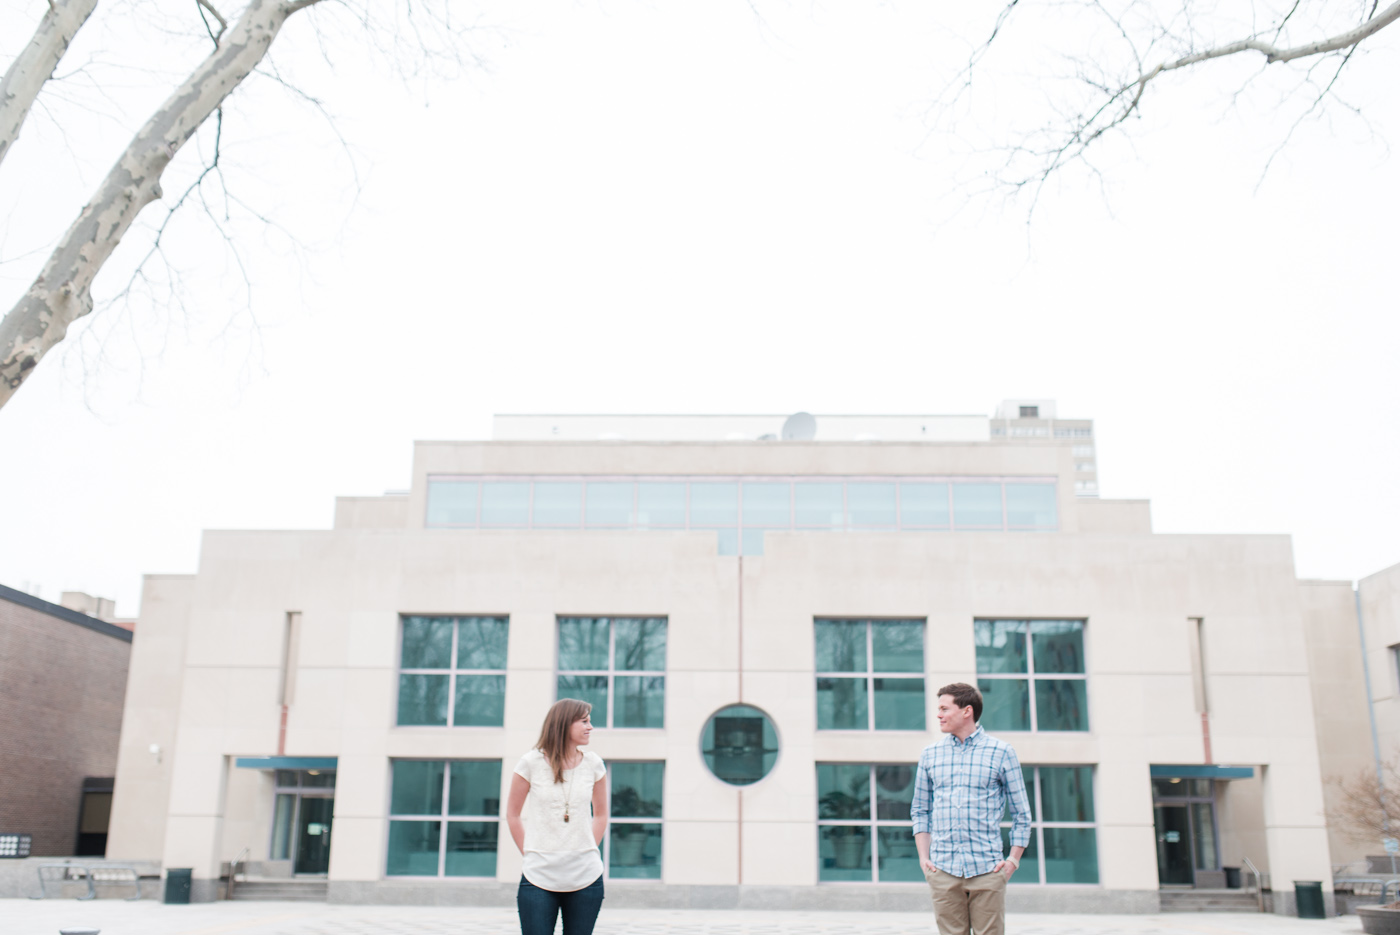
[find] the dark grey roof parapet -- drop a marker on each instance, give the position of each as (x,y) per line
(63,613)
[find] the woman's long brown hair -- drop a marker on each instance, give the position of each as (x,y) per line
(554,736)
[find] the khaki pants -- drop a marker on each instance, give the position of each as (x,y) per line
(975,904)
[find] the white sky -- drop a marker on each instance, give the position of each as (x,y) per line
(634,208)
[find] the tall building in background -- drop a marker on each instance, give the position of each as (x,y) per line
(1032,421)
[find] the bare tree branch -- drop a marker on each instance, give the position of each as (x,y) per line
(1114,95)
(36,63)
(1366,809)
(62,292)
(204,5)
(1270,52)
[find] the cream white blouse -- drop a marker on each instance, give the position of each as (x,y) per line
(560,855)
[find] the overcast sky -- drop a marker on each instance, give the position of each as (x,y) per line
(624,207)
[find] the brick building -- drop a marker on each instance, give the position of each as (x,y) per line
(62,687)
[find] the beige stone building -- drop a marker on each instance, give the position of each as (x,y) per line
(761,611)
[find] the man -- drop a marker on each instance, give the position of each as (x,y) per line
(961,790)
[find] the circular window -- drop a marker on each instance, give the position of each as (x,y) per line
(740,744)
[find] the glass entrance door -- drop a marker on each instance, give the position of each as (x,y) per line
(1174,846)
(314,834)
(1187,842)
(301,820)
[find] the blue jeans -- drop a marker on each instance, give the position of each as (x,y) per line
(540,908)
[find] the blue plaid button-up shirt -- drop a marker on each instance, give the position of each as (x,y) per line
(960,793)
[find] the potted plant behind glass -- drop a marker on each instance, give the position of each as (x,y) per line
(850,844)
(629,840)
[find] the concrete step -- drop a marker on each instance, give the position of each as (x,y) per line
(1209,901)
(281,890)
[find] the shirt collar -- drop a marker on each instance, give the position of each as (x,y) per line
(972,738)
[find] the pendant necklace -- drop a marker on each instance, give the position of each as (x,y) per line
(570,792)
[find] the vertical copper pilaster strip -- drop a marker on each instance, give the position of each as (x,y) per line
(739,828)
(741,626)
(740,836)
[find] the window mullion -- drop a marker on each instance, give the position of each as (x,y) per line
(442,816)
(612,668)
(874,831)
(607,835)
(1030,681)
(452,674)
(1039,830)
(869,673)
(294,844)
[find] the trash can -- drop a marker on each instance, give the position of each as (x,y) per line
(1309,895)
(177,885)
(1232,877)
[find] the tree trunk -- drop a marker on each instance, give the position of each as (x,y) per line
(35,64)
(63,291)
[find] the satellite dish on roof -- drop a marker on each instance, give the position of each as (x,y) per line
(800,427)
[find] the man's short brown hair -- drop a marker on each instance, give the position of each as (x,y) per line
(964,696)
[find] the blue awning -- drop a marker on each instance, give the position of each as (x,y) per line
(1202,772)
(285,762)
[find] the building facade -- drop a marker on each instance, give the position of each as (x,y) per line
(62,689)
(761,615)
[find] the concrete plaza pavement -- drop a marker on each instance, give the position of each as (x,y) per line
(147,917)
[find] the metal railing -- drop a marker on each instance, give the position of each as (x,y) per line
(234,866)
(94,875)
(1258,882)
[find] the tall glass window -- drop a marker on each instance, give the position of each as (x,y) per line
(634,826)
(1031,674)
(870,674)
(452,671)
(1064,838)
(444,818)
(616,664)
(864,831)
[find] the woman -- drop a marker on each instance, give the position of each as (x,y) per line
(553,785)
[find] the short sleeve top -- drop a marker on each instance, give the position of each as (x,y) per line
(560,855)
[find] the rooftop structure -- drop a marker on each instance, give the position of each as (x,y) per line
(714,428)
